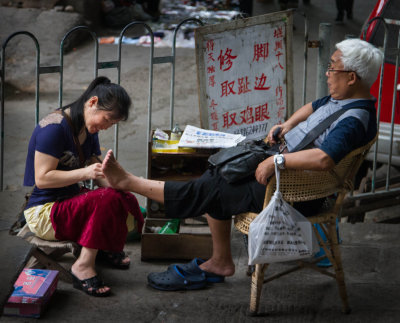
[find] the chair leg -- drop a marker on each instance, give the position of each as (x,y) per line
(257,281)
(250,268)
(337,263)
(49,263)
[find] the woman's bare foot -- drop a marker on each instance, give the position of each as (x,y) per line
(115,174)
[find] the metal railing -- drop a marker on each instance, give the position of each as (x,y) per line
(388,191)
(96,67)
(322,44)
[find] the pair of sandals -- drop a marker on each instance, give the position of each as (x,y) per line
(91,286)
(183,277)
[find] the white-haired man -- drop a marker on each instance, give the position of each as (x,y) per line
(352,70)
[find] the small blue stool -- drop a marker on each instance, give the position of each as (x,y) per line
(325,262)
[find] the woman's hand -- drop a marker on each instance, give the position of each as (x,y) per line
(100,181)
(48,176)
(94,171)
(265,170)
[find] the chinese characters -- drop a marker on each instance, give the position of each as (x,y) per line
(246,79)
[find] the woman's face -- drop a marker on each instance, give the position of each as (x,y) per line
(96,119)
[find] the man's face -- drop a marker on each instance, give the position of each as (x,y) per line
(338,78)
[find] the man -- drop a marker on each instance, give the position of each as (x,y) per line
(352,70)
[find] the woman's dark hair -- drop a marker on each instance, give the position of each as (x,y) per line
(111,97)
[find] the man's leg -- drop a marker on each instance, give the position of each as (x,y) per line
(221,262)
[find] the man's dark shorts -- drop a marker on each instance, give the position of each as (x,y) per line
(213,195)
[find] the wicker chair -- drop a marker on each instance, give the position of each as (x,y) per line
(297,186)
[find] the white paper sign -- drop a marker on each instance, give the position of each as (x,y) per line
(243,75)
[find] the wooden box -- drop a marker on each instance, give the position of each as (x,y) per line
(189,242)
(193,238)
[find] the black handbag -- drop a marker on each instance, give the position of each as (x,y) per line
(241,161)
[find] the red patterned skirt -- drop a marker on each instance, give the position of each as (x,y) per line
(96,219)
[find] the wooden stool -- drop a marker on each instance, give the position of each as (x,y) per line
(45,251)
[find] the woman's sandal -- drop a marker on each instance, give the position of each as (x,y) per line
(115,259)
(90,286)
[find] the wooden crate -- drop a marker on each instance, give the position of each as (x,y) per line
(189,242)
(193,238)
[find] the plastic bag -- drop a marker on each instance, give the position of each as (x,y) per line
(280,233)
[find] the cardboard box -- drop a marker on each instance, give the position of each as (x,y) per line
(189,242)
(32,292)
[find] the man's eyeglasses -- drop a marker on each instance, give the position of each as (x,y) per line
(330,69)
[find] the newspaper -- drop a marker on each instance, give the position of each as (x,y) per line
(201,138)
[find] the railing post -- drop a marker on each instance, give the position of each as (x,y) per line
(324,52)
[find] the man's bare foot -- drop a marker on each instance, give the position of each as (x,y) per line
(224,268)
(115,174)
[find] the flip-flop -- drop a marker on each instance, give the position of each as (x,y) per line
(193,268)
(176,278)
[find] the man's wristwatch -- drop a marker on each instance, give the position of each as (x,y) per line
(280,161)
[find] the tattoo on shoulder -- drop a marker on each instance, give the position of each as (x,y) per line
(52,118)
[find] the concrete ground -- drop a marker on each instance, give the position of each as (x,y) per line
(370,260)
(370,250)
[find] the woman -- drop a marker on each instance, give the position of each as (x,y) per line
(62,144)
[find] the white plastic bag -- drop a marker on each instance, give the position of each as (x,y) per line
(280,233)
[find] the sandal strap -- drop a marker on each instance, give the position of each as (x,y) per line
(93,283)
(120,255)
(117,255)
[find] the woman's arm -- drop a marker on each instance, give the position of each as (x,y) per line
(47,175)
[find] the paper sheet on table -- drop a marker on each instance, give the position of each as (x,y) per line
(201,138)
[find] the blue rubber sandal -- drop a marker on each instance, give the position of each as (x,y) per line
(176,278)
(193,268)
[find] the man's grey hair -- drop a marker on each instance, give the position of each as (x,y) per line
(361,57)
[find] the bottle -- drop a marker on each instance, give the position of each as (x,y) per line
(176,132)
(154,206)
(170,227)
